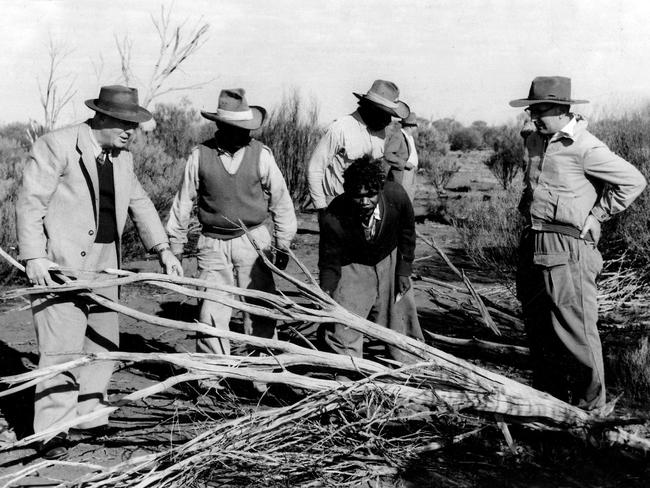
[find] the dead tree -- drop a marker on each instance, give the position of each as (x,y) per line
(55,93)
(177,42)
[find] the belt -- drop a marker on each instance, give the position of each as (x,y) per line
(566,230)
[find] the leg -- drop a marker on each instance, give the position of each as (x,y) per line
(356,292)
(102,334)
(251,273)
(214,264)
(400,317)
(60,331)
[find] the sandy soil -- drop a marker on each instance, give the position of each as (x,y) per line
(171,416)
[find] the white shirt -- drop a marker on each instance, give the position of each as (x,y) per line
(345,140)
(273,184)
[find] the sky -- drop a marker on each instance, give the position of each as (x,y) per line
(450,58)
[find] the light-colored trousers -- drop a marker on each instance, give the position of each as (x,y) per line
(66,328)
(369,291)
(556,283)
(233,262)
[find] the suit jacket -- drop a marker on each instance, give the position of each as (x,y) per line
(58,202)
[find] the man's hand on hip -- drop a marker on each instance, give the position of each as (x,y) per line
(591,224)
(170,263)
(38,271)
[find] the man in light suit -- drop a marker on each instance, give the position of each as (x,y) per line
(78,188)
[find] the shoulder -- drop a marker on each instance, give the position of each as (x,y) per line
(394,192)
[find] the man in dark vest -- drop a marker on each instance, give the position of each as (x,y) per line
(233,177)
(77,190)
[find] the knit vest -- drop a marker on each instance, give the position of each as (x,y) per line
(224,198)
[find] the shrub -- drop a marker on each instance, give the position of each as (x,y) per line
(630,369)
(441,170)
(292,133)
(508,156)
(12,161)
(490,230)
(465,139)
(179,128)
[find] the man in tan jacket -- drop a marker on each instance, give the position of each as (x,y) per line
(78,188)
(573,184)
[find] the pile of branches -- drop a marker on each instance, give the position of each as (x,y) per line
(341,432)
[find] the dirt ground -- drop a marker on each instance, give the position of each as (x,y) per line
(168,417)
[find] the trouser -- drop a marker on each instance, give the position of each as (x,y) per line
(369,291)
(66,328)
(234,262)
(556,283)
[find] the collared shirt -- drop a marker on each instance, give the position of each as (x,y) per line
(575,174)
(273,184)
(370,229)
(345,140)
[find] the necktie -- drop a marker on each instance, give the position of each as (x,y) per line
(103,157)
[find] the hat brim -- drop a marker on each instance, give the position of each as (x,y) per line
(401,111)
(526,102)
(259,115)
(140,114)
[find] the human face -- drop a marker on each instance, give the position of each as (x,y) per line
(365,200)
(112,133)
(373,116)
(548,118)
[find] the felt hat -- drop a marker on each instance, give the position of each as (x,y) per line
(385,95)
(120,102)
(234,110)
(410,121)
(548,89)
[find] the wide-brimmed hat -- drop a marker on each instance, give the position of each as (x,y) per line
(385,95)
(410,121)
(548,89)
(120,102)
(233,109)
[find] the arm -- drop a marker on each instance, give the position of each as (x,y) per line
(330,253)
(39,182)
(326,149)
(280,203)
(625,182)
(179,214)
(406,235)
(396,152)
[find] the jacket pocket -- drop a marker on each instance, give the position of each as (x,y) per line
(567,211)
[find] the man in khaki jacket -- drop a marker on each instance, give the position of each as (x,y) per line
(78,188)
(573,184)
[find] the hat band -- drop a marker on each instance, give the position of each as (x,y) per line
(373,97)
(117,106)
(235,116)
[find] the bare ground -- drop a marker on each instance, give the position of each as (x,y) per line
(539,460)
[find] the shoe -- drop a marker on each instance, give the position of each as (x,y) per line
(55,448)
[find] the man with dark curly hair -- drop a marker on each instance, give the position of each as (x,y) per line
(366,249)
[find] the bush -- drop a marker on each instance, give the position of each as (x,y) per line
(465,139)
(490,231)
(179,128)
(13,157)
(441,171)
(630,370)
(292,133)
(508,156)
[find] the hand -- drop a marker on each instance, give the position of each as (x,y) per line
(591,224)
(281,259)
(403,284)
(170,263)
(38,271)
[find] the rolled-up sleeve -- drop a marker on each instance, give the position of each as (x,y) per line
(624,182)
(280,203)
(181,210)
